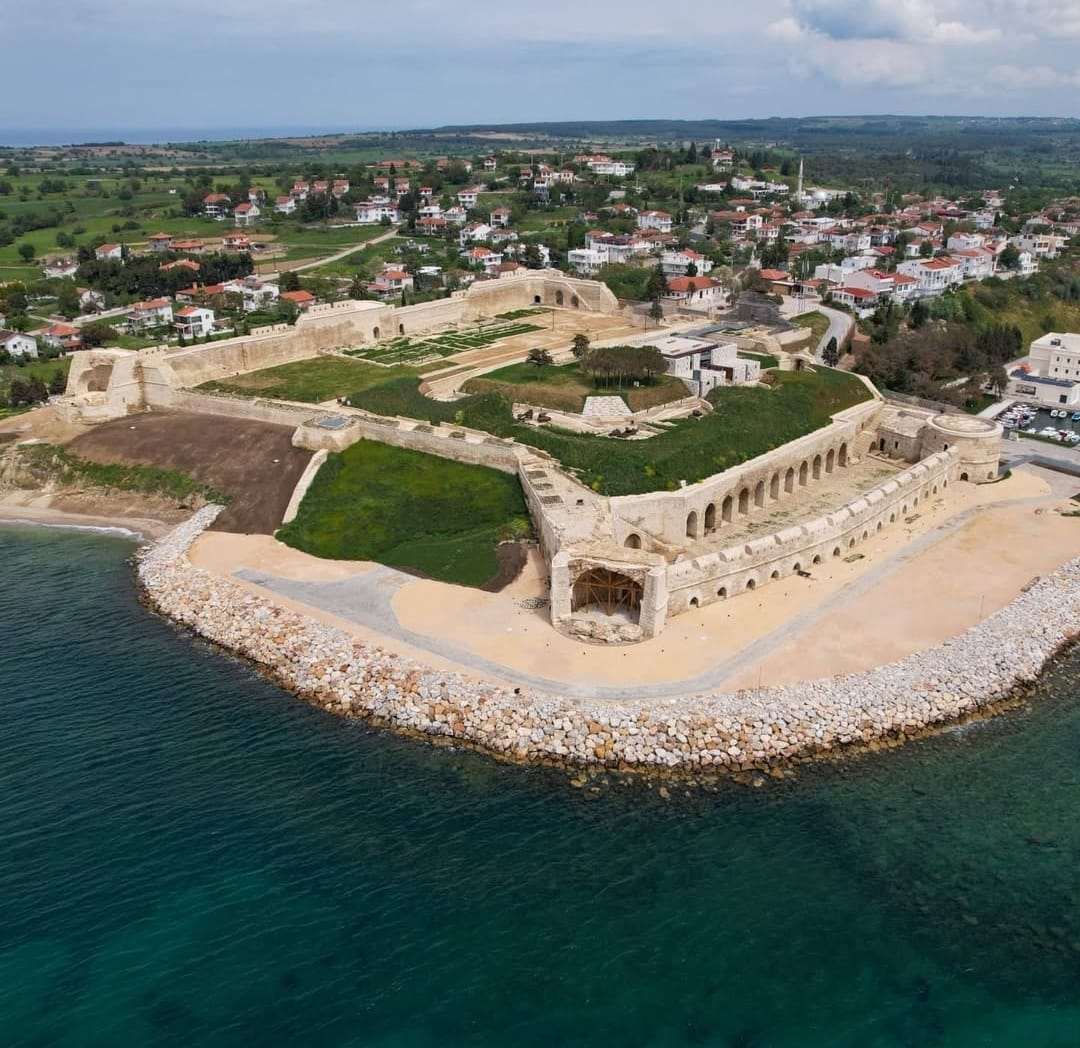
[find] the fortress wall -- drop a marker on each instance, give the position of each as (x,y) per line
(728,572)
(240,407)
(765,480)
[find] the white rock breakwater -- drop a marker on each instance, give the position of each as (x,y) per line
(736,732)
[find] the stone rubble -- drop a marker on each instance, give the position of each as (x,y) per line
(735,732)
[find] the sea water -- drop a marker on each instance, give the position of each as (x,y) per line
(190,856)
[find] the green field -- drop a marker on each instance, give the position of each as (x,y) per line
(766,360)
(566,386)
(312,381)
(746,422)
(817,322)
(411,511)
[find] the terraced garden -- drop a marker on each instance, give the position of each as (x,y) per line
(404,350)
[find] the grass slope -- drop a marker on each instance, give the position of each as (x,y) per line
(411,511)
(312,381)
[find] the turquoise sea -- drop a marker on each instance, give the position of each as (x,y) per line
(189,856)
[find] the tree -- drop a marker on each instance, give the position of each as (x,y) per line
(539,358)
(657,285)
(27,391)
(290,281)
(1010,257)
(533,258)
(831,354)
(98,334)
(580,346)
(926,248)
(27,251)
(656,311)
(58,382)
(919,314)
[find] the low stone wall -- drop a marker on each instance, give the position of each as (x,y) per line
(739,731)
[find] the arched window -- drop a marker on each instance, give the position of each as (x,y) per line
(375,334)
(842,457)
(633,541)
(817,467)
(751,584)
(804,472)
(759,494)
(722,592)
(695,603)
(691,524)
(817,559)
(744,501)
(726,508)
(710,517)
(789,480)
(830,458)
(558,298)
(774,576)
(774,487)
(401,329)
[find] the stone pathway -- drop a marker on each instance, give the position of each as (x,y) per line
(605,407)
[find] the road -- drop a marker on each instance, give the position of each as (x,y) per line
(343,253)
(840,324)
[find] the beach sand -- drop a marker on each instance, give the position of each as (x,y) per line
(963,556)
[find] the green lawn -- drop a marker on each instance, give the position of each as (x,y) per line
(766,360)
(817,322)
(565,387)
(403,350)
(746,422)
(411,511)
(43,369)
(313,381)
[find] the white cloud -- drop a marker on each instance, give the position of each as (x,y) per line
(1026,78)
(911,21)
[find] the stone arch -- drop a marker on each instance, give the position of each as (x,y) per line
(944,484)
(775,575)
(722,592)
(904,510)
(789,480)
(963,476)
(865,534)
(774,487)
(692,524)
(759,493)
(744,501)
(375,334)
(817,559)
(797,567)
(536,300)
(710,517)
(830,458)
(608,591)
(804,472)
(574,301)
(633,541)
(694,602)
(879,526)
(751,584)
(851,542)
(892,517)
(935,489)
(915,502)
(816,468)
(726,508)
(558,298)
(842,455)
(836,551)
(401,329)
(95,379)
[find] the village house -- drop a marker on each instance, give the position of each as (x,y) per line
(1050,376)
(252,293)
(189,247)
(236,242)
(370,212)
(392,281)
(300,190)
(90,300)
(933,274)
(304,300)
(675,263)
(109,252)
(426,193)
(216,206)
(246,214)
(285,205)
(401,186)
(484,256)
(977,263)
(155,312)
(502,236)
(182,263)
(341,187)
(500,217)
(64,337)
(658,220)
(16,344)
(456,214)
(194,322)
(160,242)
(256,194)
(431,225)
(473,233)
(694,292)
(467,197)
(490,163)
(860,299)
(60,268)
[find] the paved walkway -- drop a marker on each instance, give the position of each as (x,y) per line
(367,600)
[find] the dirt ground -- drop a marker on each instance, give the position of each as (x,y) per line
(254,462)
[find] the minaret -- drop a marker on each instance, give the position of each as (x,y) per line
(798,194)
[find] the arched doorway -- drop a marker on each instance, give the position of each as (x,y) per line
(401,329)
(691,524)
(574,301)
(804,472)
(375,334)
(842,457)
(759,494)
(558,298)
(536,300)
(830,459)
(608,591)
(725,509)
(774,487)
(817,467)
(710,517)
(744,501)
(789,480)
(633,541)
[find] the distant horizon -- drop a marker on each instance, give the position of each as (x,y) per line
(151,135)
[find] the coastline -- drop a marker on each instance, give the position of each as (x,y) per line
(141,529)
(740,731)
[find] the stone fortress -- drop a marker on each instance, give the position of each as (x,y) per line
(619,567)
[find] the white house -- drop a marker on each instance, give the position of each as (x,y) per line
(500,217)
(473,233)
(194,321)
(467,197)
(285,205)
(695,292)
(60,268)
(703,364)
(111,252)
(1040,245)
(586,261)
(658,220)
(58,335)
(18,344)
(253,293)
(933,274)
(1050,376)
(246,214)
(392,281)
(216,206)
(977,263)
(155,312)
(857,298)
(676,263)
(371,213)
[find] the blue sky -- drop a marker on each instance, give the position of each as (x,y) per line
(354,63)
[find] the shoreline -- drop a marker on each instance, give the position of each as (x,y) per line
(140,529)
(973,674)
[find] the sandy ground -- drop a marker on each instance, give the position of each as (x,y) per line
(895,599)
(35,508)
